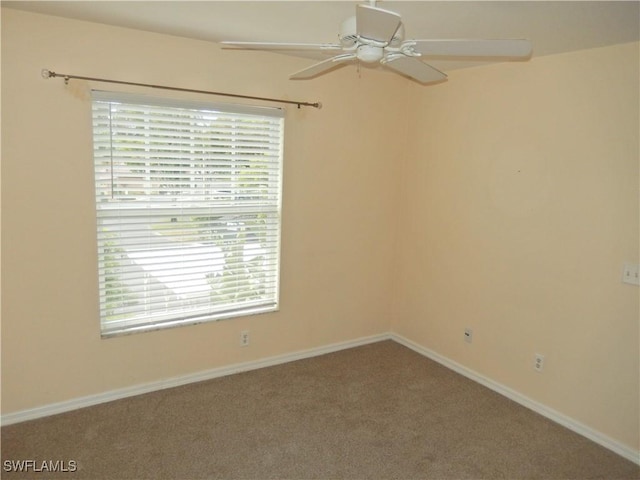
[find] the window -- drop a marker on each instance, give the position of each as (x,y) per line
(188,210)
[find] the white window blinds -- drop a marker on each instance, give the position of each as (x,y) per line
(188,210)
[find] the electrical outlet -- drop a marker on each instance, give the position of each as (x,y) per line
(244,338)
(631,274)
(468,335)
(538,362)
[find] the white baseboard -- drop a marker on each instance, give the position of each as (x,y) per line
(571,424)
(90,400)
(557,417)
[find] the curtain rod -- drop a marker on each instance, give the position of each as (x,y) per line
(49,74)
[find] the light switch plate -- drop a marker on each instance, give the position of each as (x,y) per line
(631,273)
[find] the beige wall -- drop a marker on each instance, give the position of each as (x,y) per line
(505,200)
(339,200)
(520,206)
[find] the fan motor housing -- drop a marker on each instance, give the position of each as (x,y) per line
(349,34)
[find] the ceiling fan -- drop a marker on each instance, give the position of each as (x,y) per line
(376,36)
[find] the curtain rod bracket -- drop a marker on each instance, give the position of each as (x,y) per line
(49,74)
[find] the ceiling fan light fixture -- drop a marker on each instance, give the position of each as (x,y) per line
(369,53)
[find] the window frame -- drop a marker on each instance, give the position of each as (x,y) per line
(270,210)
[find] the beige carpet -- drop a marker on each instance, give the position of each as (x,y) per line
(374,412)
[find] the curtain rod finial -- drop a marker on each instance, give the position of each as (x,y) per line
(46,73)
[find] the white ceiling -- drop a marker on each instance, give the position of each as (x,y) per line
(553,27)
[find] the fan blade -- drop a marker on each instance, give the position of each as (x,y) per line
(280,46)
(414,68)
(323,67)
(376,24)
(511,48)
